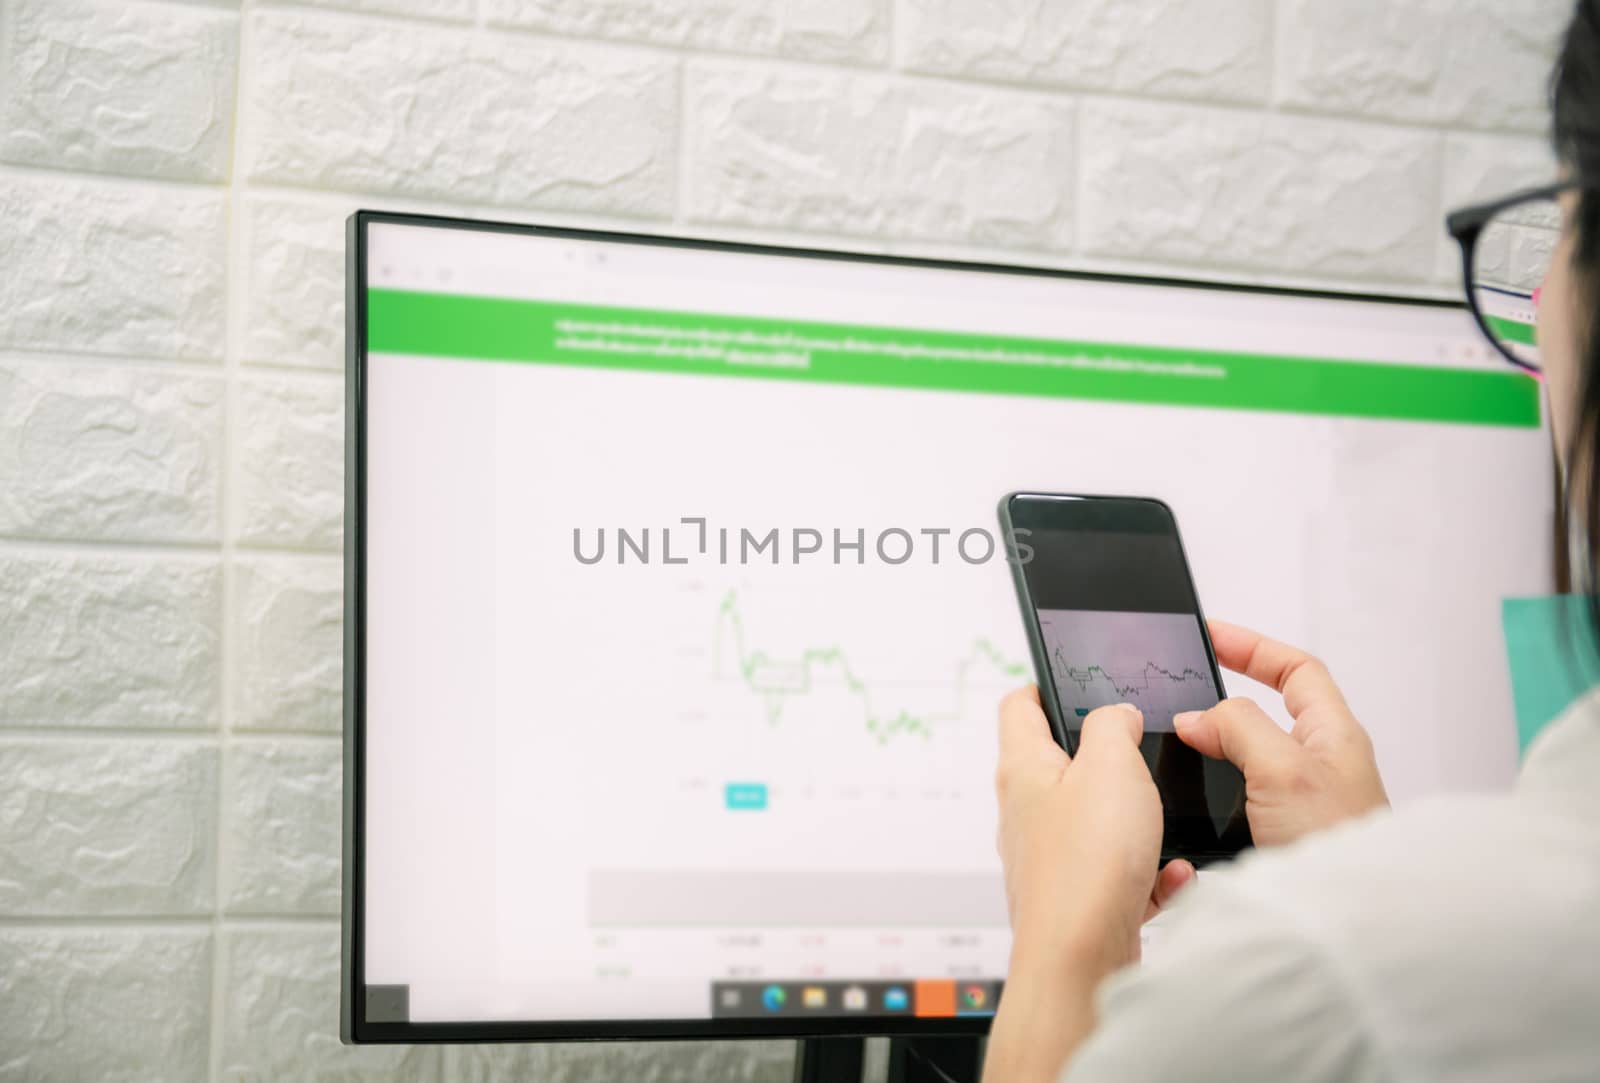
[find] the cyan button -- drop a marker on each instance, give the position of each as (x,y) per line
(746,795)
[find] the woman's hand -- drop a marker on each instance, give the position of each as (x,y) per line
(1319,773)
(1079,837)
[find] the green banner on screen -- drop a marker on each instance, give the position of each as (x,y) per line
(1514,330)
(560,333)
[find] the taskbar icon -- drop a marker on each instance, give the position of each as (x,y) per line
(922,998)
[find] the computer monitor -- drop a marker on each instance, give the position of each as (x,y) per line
(677,616)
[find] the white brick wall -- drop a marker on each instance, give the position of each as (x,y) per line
(173,179)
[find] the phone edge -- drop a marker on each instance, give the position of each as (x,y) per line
(1030,625)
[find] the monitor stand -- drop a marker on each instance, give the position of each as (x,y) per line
(829,1060)
(911,1060)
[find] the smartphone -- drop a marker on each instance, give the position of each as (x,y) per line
(1112,617)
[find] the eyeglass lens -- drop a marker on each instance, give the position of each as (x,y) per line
(1509,264)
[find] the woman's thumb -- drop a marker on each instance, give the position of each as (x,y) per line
(1236,730)
(1120,723)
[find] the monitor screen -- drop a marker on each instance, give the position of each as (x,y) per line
(677,614)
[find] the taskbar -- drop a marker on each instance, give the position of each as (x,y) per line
(926,999)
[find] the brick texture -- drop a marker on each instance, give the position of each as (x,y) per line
(1216,49)
(115,1005)
(491,118)
(866,155)
(114,828)
(454,10)
(114,454)
(675,1062)
(293,284)
(109,641)
(289,471)
(111,268)
(174,179)
(1225,188)
(120,87)
(838,30)
(1423,60)
(288,622)
(281,827)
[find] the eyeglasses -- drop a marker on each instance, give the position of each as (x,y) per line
(1506,249)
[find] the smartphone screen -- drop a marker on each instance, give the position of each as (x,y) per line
(1113,617)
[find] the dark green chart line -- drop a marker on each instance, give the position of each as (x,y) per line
(758,670)
(1082,676)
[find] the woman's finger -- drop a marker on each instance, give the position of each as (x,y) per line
(1025,739)
(1108,727)
(1239,731)
(1301,679)
(1174,877)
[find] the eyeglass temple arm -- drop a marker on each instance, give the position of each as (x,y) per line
(1466,221)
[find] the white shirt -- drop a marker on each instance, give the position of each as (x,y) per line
(1454,939)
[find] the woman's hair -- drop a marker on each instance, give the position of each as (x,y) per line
(1575,131)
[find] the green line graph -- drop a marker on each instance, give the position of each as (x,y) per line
(778,680)
(1130,684)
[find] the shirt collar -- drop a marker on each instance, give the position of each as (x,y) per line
(1565,758)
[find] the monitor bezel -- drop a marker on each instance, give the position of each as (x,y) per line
(353,1026)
